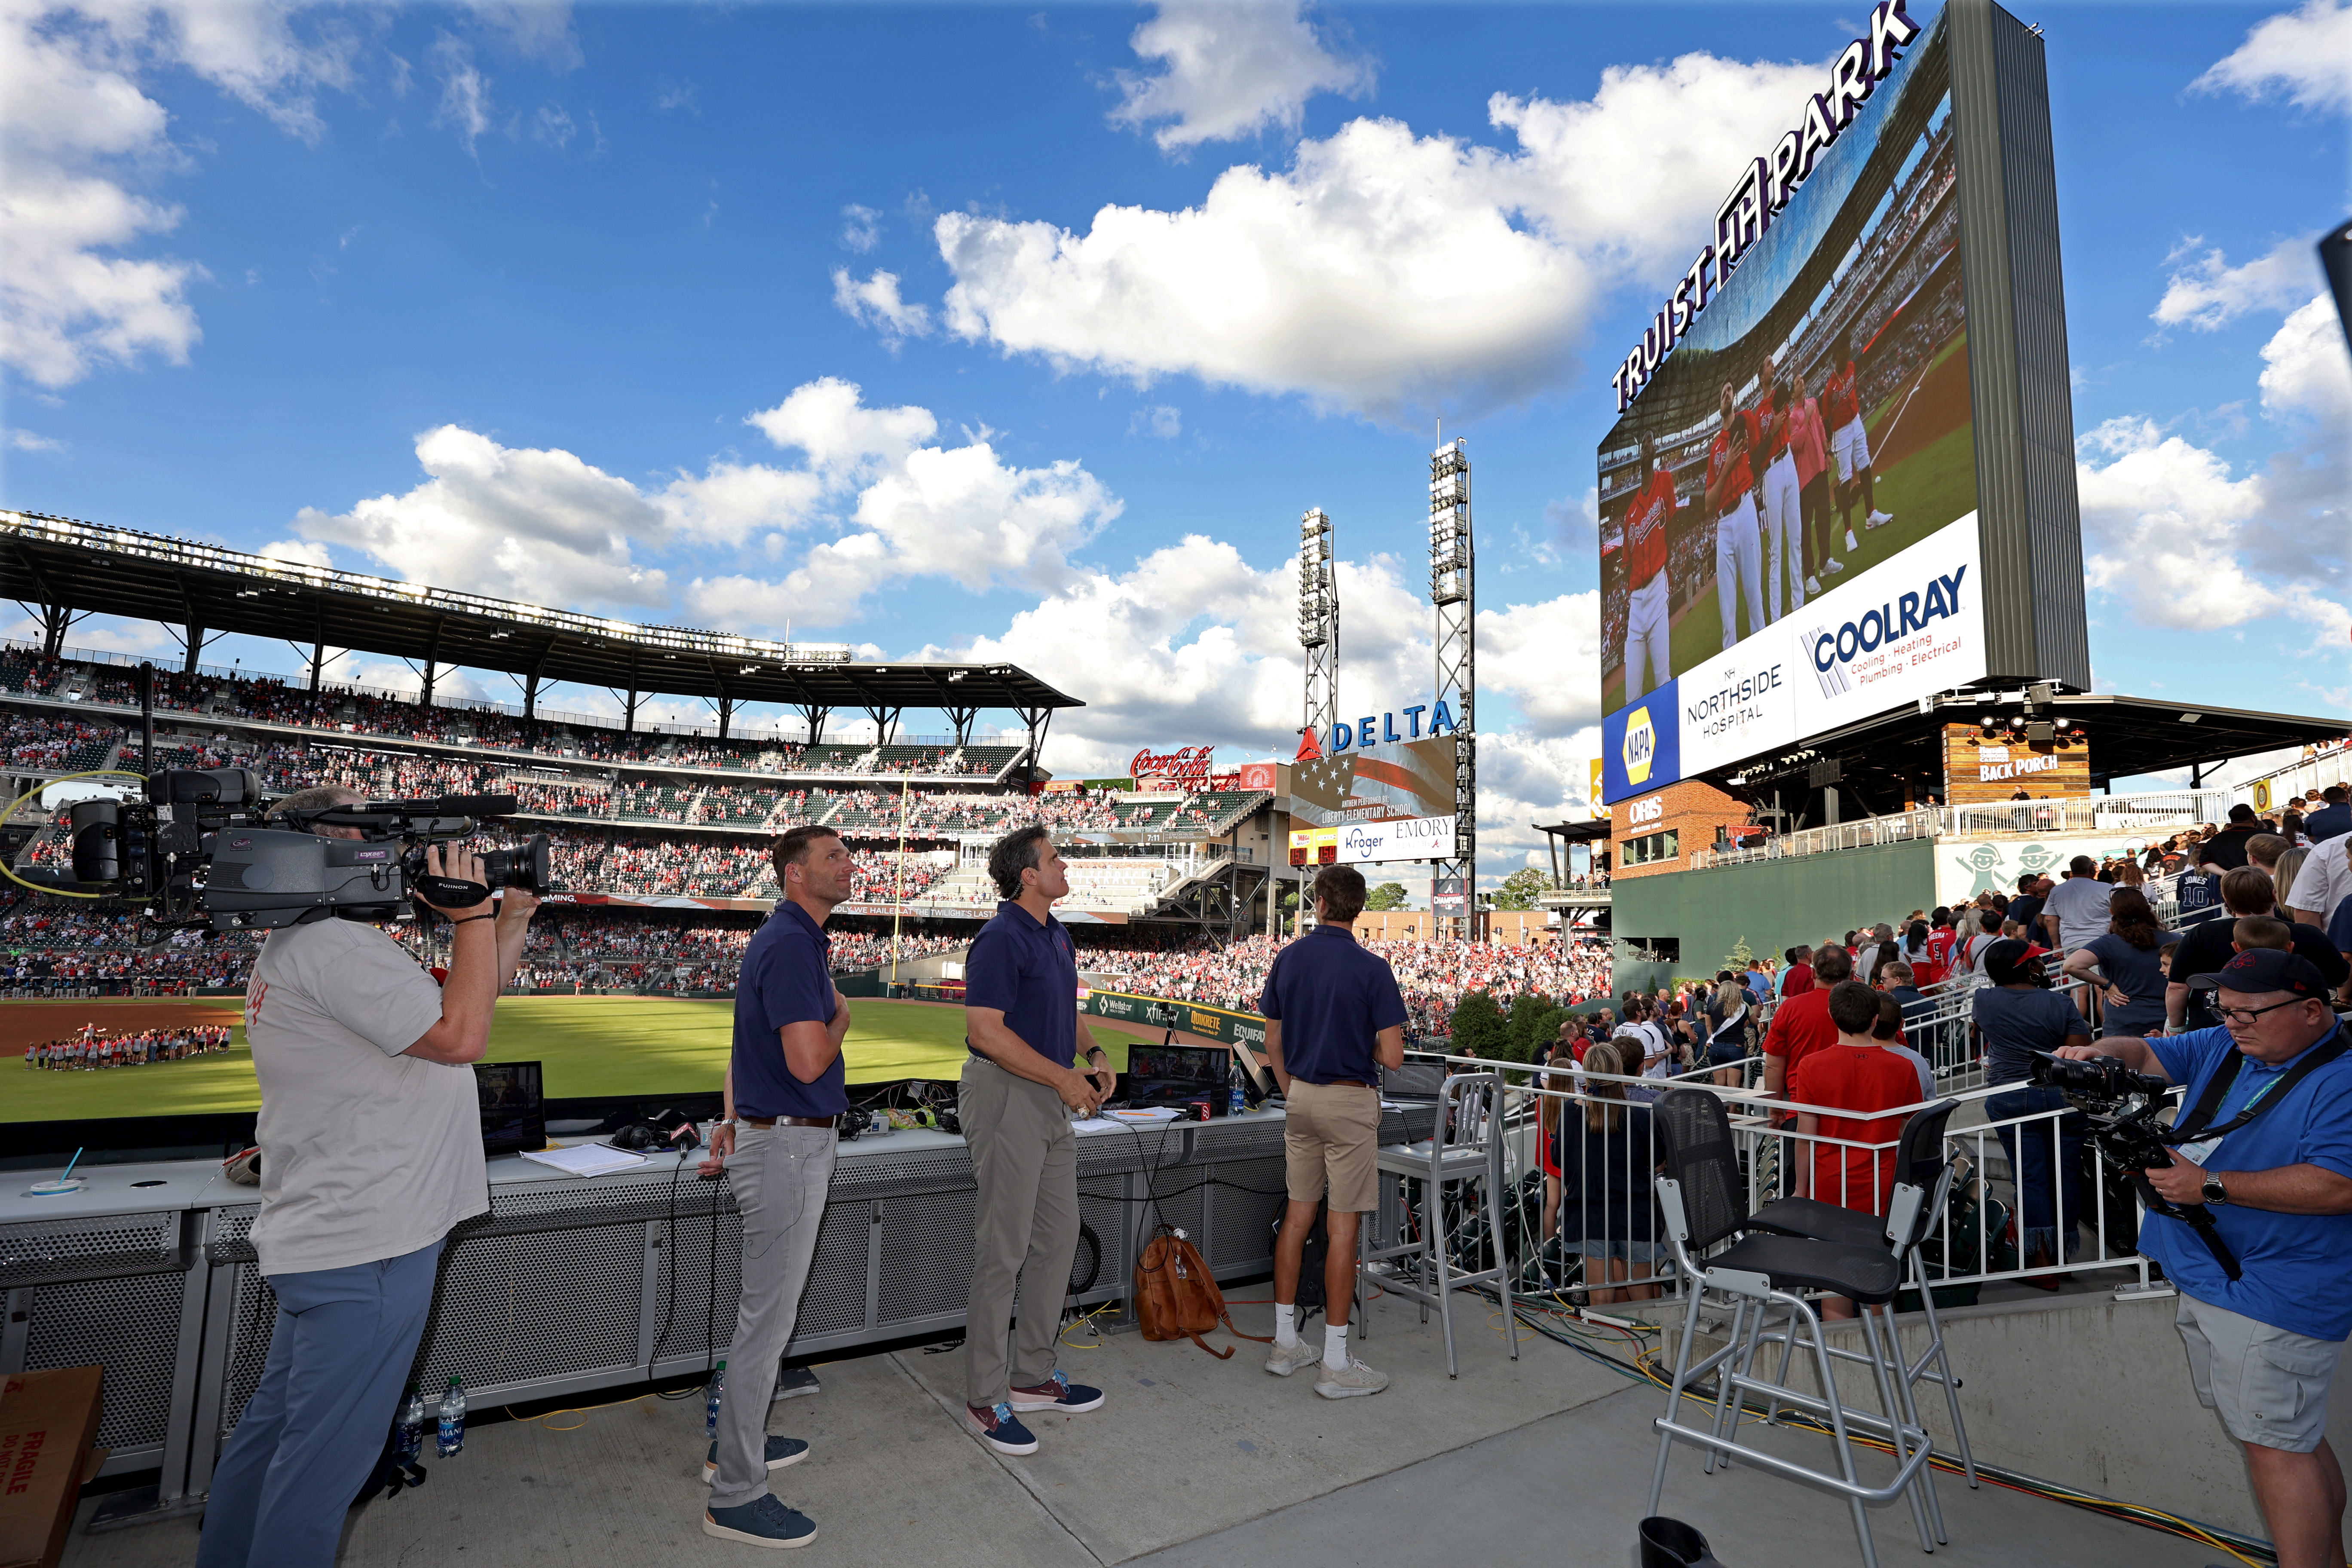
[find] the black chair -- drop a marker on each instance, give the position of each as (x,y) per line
(1704,1205)
(1923,1186)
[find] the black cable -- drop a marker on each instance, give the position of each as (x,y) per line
(670,1282)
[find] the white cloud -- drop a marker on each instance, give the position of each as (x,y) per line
(875,303)
(1525,779)
(537,30)
(861,228)
(1160,421)
(2166,521)
(1230,68)
(307,551)
(828,419)
(520,522)
(552,126)
(466,106)
(1381,272)
(2303,55)
(1542,657)
(2306,369)
(2208,292)
(32,441)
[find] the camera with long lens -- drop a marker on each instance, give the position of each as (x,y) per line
(2121,1106)
(198,851)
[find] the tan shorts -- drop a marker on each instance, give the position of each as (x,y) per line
(1329,1136)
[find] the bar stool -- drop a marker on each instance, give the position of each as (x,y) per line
(1923,1186)
(1467,1145)
(1704,1205)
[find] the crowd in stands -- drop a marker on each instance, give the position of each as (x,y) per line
(94,1047)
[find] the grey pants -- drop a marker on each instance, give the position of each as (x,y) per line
(1024,1160)
(780,1175)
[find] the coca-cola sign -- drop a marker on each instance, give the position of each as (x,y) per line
(1190,763)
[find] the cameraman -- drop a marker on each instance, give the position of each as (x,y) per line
(2262,1348)
(370,1136)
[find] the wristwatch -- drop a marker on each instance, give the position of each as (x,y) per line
(2215,1193)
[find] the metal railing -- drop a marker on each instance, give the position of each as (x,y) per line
(2084,813)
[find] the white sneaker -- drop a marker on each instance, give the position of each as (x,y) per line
(1353,1379)
(1813,584)
(1284,1360)
(1881,518)
(1852,543)
(1835,565)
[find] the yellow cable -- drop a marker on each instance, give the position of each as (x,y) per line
(1081,1320)
(5,815)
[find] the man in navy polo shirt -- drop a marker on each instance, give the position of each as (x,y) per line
(2262,1348)
(1020,1087)
(1334,1017)
(784,1099)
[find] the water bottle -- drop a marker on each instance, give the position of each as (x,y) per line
(1235,1105)
(408,1428)
(711,1402)
(451,1440)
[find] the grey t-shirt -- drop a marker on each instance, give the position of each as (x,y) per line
(2081,905)
(365,1154)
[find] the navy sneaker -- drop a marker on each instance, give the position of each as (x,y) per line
(762,1521)
(1058,1392)
(995,1427)
(782,1451)
(793,1381)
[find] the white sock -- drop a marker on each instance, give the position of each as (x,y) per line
(1335,1347)
(1286,1325)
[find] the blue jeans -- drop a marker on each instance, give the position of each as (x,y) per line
(310,1437)
(2043,1168)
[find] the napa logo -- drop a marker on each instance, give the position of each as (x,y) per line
(1641,748)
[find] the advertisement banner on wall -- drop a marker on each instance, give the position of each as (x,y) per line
(1965,868)
(1412,839)
(1640,745)
(1901,631)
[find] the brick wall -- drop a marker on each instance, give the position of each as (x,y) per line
(1691,811)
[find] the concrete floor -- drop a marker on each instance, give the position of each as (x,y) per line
(1193,1461)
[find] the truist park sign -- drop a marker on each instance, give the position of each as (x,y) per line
(1764,188)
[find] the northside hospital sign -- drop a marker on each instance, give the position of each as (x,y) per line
(1763,188)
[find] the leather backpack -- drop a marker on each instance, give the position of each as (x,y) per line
(1176,1297)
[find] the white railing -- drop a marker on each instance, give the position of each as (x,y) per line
(2038,818)
(2304,776)
(2026,1176)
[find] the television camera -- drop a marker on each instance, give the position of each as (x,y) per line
(196,852)
(2121,1107)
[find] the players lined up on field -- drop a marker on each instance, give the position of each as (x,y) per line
(94,1049)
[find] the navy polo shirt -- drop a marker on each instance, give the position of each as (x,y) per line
(1331,996)
(2294,1265)
(786,979)
(1027,969)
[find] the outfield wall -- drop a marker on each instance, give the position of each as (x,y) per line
(1770,904)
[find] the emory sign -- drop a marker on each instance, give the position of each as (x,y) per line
(1764,188)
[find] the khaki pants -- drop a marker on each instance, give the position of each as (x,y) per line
(1331,1135)
(1024,1161)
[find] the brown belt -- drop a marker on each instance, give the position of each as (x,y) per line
(788,1120)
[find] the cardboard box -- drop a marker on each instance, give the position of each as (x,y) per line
(48,1422)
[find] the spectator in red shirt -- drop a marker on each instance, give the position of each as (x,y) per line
(1854,1074)
(1800,1025)
(1797,978)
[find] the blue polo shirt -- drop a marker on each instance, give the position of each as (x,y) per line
(1331,997)
(1027,969)
(2294,1265)
(786,979)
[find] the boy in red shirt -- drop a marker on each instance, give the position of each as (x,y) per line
(1872,1086)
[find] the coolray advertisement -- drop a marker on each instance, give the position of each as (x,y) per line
(1800,420)
(1383,783)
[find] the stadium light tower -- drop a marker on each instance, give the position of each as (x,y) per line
(1319,623)
(1453,588)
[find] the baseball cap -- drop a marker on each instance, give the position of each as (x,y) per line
(2264,969)
(2005,960)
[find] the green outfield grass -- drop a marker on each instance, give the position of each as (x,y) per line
(595,1046)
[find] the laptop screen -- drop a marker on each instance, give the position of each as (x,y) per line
(514,1113)
(1189,1064)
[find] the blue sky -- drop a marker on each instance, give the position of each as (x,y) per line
(997,331)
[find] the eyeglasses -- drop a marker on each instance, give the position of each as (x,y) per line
(2248,1015)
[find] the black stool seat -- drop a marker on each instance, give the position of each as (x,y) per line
(1817,1221)
(1870,1275)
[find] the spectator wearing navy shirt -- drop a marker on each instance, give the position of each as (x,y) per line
(785,1101)
(2263,1348)
(1334,1017)
(1020,1089)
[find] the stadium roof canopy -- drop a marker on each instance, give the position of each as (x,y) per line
(62,569)
(2129,737)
